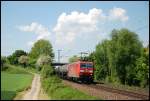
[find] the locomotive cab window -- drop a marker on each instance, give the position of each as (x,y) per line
(86,65)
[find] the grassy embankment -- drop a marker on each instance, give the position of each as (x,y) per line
(14,80)
(58,91)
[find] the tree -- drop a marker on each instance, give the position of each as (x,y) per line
(32,62)
(3,60)
(4,65)
(124,49)
(115,59)
(41,47)
(13,59)
(91,57)
(101,60)
(23,60)
(43,60)
(142,69)
(73,59)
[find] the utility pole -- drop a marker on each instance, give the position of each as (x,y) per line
(59,55)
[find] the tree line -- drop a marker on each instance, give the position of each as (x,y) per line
(121,59)
(41,53)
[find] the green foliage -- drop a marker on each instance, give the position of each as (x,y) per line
(47,71)
(142,69)
(23,60)
(32,63)
(3,60)
(73,59)
(66,93)
(41,47)
(16,70)
(127,49)
(32,70)
(4,63)
(101,60)
(13,59)
(58,91)
(43,60)
(120,59)
(91,57)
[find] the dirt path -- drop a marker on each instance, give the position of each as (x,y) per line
(33,93)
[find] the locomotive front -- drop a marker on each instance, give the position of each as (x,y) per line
(86,71)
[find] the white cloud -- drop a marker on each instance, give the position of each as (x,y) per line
(41,31)
(118,14)
(70,26)
(78,27)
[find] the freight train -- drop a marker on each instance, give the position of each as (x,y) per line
(79,71)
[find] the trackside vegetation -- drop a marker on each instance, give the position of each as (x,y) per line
(122,60)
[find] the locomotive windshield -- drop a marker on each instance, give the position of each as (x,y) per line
(86,65)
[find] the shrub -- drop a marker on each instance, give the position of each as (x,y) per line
(23,60)
(43,60)
(4,64)
(47,71)
(4,67)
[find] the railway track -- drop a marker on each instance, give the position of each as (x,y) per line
(109,92)
(123,92)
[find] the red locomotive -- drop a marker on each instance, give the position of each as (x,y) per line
(80,70)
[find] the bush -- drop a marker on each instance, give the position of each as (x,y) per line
(43,60)
(48,83)
(32,62)
(4,64)
(3,60)
(4,67)
(23,60)
(47,71)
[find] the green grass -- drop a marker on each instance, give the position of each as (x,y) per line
(8,95)
(58,91)
(66,93)
(21,70)
(33,70)
(16,70)
(14,80)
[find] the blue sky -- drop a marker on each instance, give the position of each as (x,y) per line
(64,23)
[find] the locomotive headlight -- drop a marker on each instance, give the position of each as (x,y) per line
(91,71)
(81,70)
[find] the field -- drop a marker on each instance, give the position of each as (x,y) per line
(12,83)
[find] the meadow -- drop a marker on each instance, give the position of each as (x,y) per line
(13,81)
